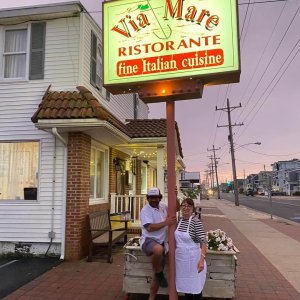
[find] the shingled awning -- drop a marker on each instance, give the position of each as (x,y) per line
(151,128)
(83,105)
(74,105)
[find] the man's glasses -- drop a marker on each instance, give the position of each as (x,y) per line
(186,206)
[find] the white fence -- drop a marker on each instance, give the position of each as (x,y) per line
(132,204)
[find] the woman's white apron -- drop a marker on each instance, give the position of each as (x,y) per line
(187,256)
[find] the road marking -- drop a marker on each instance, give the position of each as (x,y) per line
(274,201)
(9,263)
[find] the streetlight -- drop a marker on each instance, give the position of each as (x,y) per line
(222,164)
(241,146)
(235,185)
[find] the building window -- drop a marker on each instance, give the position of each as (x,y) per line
(96,69)
(15,53)
(99,68)
(98,174)
(24,58)
(96,62)
(19,170)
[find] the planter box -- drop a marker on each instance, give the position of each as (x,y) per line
(221,272)
(220,280)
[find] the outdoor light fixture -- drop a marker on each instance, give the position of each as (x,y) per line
(182,89)
(117,164)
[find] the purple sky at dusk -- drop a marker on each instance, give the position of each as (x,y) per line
(269,92)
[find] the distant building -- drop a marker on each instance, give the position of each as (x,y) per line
(285,175)
(225,186)
(292,182)
(251,182)
(240,183)
(264,178)
(189,180)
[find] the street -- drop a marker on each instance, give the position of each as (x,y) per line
(15,272)
(281,206)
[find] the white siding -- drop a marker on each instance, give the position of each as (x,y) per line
(143,111)
(119,105)
(30,221)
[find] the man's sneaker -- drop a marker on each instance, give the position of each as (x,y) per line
(161,280)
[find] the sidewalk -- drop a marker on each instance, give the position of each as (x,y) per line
(268,262)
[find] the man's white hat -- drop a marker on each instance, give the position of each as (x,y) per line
(154,192)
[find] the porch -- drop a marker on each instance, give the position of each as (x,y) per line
(128,206)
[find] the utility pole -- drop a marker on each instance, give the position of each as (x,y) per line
(206,179)
(228,109)
(211,166)
(216,169)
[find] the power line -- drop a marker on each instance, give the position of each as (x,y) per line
(276,74)
(274,154)
(270,61)
(254,115)
(258,64)
(262,2)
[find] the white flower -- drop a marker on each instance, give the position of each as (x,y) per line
(218,240)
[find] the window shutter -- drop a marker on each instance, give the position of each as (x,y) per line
(37,50)
(135,106)
(107,95)
(93,59)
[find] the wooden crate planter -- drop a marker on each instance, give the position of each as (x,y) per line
(138,273)
(221,272)
(220,281)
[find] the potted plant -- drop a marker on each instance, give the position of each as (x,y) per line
(221,265)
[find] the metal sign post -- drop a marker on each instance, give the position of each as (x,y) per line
(270,197)
(170,111)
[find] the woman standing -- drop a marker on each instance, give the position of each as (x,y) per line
(190,253)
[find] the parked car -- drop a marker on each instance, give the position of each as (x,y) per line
(249,192)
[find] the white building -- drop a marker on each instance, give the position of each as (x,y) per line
(286,175)
(64,144)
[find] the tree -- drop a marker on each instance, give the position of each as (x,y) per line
(191,193)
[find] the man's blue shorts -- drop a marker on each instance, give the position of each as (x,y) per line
(148,246)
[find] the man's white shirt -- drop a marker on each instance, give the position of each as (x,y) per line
(150,215)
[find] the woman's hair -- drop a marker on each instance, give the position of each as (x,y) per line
(189,201)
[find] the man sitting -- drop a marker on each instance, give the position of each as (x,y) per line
(155,222)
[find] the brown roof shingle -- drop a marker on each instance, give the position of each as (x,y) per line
(74,105)
(141,128)
(145,128)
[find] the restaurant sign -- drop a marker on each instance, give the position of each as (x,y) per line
(155,40)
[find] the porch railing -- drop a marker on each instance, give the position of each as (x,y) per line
(132,205)
(129,203)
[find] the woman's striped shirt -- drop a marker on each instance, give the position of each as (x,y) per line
(196,229)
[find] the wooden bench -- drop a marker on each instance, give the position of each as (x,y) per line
(101,233)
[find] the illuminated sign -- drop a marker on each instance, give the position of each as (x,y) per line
(155,40)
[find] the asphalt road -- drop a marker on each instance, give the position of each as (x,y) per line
(281,206)
(15,272)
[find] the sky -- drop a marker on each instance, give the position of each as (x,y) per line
(269,93)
